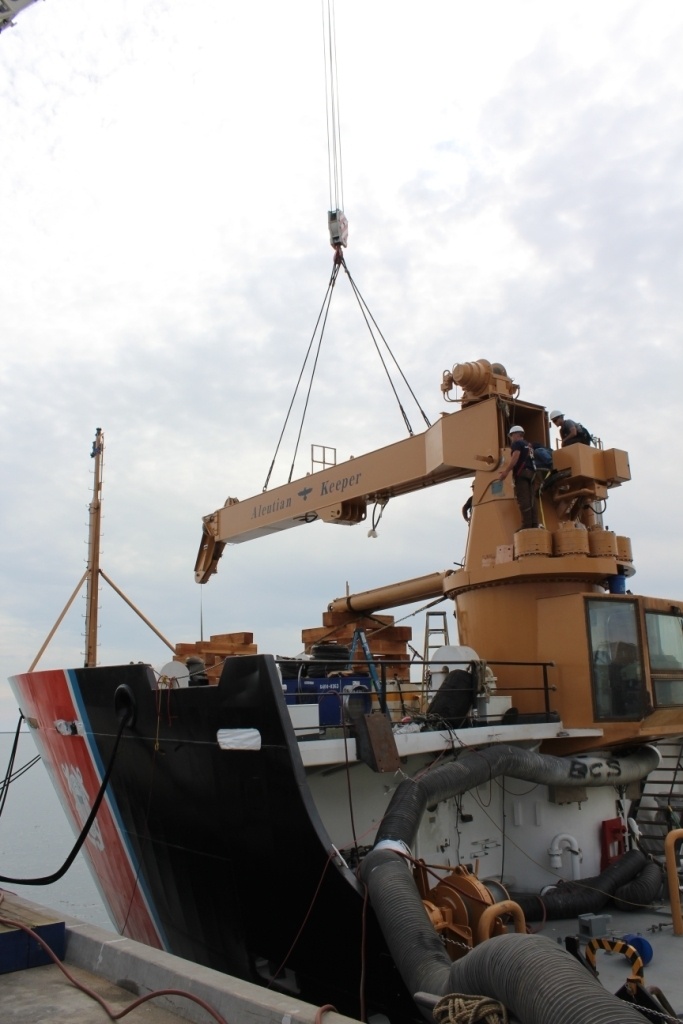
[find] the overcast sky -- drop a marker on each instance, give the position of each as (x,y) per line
(513,178)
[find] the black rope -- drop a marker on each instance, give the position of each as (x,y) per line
(367,316)
(24,768)
(10,765)
(323,311)
(48,879)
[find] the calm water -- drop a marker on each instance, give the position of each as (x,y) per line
(36,839)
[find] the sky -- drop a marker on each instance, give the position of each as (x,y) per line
(513,180)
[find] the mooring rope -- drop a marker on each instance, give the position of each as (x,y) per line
(457,1008)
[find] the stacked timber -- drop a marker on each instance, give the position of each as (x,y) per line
(386,641)
(388,648)
(215,650)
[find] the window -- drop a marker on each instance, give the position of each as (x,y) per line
(665,640)
(616,660)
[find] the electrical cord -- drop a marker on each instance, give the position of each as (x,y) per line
(111,1013)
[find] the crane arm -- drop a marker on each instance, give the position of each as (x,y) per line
(458,445)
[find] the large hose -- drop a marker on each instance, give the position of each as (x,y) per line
(562,990)
(587,896)
(630,882)
(642,890)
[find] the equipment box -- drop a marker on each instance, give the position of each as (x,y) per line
(328,693)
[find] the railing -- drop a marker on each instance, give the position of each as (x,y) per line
(546,687)
(672,878)
(407,689)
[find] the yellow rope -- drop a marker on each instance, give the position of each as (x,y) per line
(465,1009)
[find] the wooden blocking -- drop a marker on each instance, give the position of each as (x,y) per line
(387,635)
(232,638)
(320,634)
(214,651)
(216,648)
(184,651)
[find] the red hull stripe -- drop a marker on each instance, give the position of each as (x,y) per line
(76,770)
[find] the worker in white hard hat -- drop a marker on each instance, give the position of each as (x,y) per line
(522,467)
(566,427)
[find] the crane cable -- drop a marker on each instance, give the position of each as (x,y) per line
(338,227)
(337,222)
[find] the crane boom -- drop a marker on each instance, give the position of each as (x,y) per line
(458,445)
(468,443)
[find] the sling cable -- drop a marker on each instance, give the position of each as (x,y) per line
(339,235)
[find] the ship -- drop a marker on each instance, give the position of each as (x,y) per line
(356,827)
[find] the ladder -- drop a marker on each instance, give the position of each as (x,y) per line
(431,631)
(660,808)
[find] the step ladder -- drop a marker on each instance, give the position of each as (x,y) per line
(436,636)
(359,638)
(660,808)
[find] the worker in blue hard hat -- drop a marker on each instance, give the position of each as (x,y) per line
(523,470)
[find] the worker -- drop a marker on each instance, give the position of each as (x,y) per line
(526,484)
(568,428)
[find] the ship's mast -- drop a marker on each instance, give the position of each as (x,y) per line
(93,570)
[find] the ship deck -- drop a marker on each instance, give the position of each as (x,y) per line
(654,925)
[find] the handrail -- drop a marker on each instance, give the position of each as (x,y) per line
(383,662)
(672,878)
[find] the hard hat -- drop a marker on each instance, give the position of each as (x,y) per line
(554,414)
(516,430)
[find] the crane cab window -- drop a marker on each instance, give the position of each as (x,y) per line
(665,640)
(616,660)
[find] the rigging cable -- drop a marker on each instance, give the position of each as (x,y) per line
(322,315)
(4,789)
(367,316)
(12,774)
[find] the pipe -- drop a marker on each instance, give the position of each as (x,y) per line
(498,968)
(672,878)
(393,594)
(555,851)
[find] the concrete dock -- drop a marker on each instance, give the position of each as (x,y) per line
(120,970)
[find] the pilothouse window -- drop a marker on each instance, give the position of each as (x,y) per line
(665,640)
(616,660)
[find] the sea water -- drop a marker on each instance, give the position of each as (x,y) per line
(36,839)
